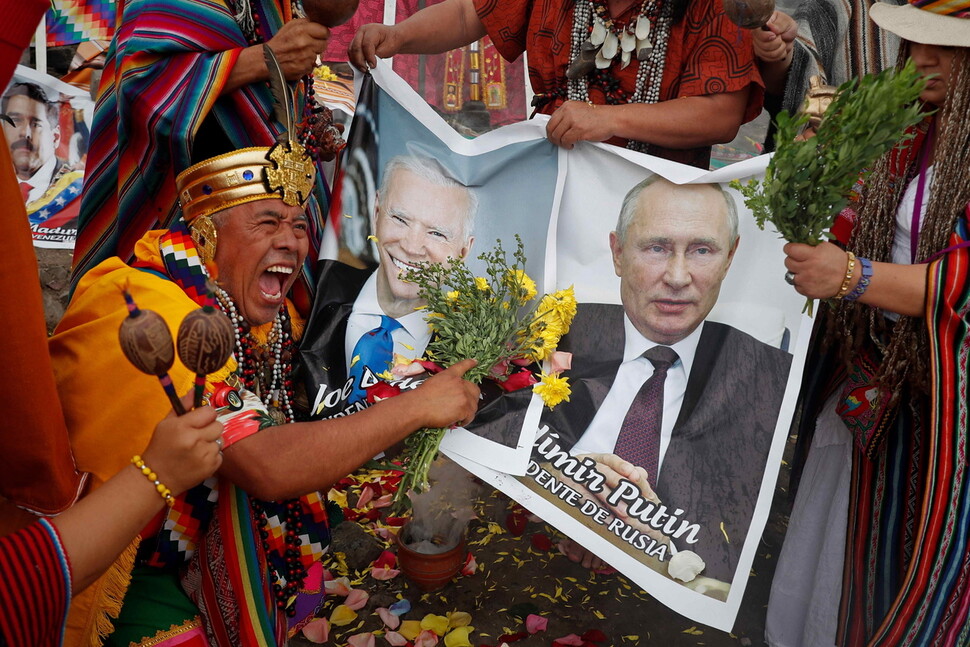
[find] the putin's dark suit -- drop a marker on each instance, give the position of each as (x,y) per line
(713,466)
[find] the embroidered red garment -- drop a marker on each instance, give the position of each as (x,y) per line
(706,54)
(35,587)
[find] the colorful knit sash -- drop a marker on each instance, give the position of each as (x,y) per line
(181,263)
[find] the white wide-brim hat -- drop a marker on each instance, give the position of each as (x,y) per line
(933,23)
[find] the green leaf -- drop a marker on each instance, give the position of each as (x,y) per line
(807,183)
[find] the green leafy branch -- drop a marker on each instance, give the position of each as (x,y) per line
(809,181)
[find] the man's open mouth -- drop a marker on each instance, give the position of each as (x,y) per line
(271,282)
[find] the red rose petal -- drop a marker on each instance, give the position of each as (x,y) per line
(594,635)
(381,391)
(517,380)
(511,638)
(344,483)
(430,366)
(471,566)
(541,541)
(499,370)
(387,559)
(366,495)
(570,640)
(516,523)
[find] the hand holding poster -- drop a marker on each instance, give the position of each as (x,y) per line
(662,467)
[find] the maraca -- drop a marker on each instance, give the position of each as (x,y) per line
(147,343)
(205,342)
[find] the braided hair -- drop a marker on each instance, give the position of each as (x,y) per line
(904,344)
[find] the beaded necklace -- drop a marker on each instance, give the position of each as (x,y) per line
(287,579)
(596,40)
(265,369)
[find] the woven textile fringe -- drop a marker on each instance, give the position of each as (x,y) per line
(112,588)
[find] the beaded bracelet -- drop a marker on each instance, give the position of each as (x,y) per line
(163,491)
(849,271)
(863,283)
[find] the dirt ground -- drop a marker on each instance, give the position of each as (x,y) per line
(519,574)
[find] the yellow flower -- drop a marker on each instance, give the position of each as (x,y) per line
(543,334)
(451,297)
(410,629)
(545,343)
(437,624)
(458,637)
(482,284)
(553,389)
(550,337)
(324,73)
(551,323)
(526,285)
(342,615)
(459,619)
(565,306)
(559,307)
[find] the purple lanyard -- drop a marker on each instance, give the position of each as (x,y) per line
(920,185)
(924,158)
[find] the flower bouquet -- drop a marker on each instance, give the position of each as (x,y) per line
(495,319)
(809,181)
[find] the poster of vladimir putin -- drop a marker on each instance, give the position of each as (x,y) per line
(46,125)
(682,407)
(661,463)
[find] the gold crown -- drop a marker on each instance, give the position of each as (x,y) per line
(284,171)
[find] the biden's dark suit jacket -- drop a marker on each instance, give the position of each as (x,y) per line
(322,352)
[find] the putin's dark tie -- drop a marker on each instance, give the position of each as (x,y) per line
(639,439)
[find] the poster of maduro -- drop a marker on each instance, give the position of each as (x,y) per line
(654,439)
(46,123)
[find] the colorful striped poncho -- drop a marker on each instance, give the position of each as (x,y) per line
(165,70)
(907,579)
(904,579)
